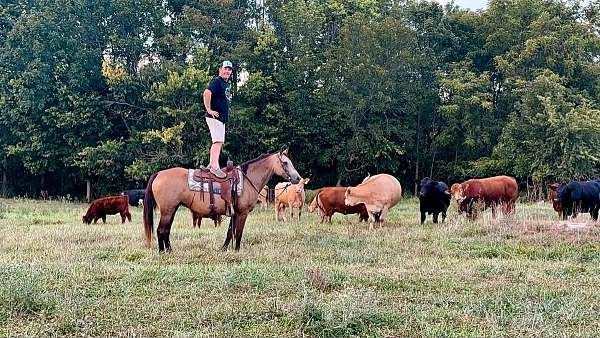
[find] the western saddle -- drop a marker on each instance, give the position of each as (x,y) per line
(228,184)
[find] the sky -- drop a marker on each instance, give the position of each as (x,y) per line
(479,4)
(470,4)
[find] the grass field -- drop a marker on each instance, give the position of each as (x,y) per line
(524,275)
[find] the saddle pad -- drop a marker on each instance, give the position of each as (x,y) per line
(197,186)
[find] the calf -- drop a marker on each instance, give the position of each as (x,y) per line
(434,198)
(135,196)
(491,192)
(110,205)
(330,200)
(289,195)
(578,197)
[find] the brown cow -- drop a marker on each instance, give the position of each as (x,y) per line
(110,205)
(552,196)
(289,195)
(330,200)
(491,192)
(197,220)
(379,193)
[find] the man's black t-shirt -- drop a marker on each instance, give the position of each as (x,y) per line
(220,98)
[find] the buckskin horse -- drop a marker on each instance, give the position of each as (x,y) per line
(168,189)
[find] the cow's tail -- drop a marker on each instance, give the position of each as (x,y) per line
(149,204)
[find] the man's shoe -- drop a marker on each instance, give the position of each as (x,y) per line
(218,172)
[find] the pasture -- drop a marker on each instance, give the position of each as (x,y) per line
(524,275)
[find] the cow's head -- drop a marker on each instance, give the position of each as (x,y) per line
(457,190)
(285,168)
(553,196)
(349,198)
(300,186)
(86,219)
(313,204)
(568,196)
(428,187)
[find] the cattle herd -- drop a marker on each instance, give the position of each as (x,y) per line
(376,195)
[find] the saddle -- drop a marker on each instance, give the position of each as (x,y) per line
(227,184)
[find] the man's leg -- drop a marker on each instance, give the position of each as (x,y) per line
(215,151)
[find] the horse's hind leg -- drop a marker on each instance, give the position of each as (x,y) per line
(164,230)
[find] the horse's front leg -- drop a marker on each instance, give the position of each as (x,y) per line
(230,230)
(239,229)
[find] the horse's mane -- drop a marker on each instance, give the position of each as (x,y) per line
(244,166)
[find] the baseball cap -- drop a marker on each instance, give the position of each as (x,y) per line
(227,63)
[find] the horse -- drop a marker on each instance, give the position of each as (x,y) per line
(168,189)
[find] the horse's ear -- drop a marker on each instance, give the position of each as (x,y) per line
(306,180)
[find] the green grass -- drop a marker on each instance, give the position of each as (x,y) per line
(524,275)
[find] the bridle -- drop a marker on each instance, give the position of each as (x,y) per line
(285,170)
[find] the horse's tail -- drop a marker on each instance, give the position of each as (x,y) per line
(149,204)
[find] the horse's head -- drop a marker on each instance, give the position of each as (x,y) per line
(286,169)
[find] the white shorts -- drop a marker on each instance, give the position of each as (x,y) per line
(217,130)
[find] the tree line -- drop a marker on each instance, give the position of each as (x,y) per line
(100,94)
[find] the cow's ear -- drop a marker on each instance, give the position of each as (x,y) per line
(553,186)
(348,191)
(447,192)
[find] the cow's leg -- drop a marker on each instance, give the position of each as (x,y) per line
(128,215)
(383,216)
(435,217)
(122,217)
(104,219)
(443,216)
(239,230)
(423,216)
(493,206)
(299,213)
(96,219)
(594,213)
(163,230)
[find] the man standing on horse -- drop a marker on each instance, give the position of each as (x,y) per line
(217,101)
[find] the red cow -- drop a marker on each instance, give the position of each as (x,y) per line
(330,200)
(197,220)
(491,192)
(552,196)
(110,205)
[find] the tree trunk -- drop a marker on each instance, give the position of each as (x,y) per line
(417,152)
(4,177)
(88,194)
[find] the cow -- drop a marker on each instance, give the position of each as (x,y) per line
(490,192)
(379,194)
(330,200)
(197,220)
(263,198)
(289,195)
(135,196)
(552,194)
(110,205)
(434,198)
(576,197)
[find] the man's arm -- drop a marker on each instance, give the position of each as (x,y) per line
(206,99)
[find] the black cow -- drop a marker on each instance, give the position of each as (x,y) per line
(135,196)
(434,198)
(578,197)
